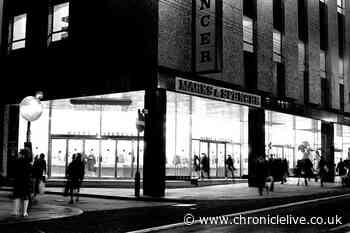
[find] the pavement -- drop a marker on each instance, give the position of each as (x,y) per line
(53,205)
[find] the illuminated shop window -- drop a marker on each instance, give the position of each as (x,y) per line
(248,34)
(101,127)
(19,25)
(203,127)
(60,22)
(277,49)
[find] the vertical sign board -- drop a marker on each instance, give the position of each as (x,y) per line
(207,46)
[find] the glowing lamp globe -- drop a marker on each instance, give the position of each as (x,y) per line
(31,108)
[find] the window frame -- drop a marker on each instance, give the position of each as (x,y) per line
(51,21)
(247,44)
(11,40)
(277,55)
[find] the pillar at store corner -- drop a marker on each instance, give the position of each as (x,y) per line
(154,138)
(327,148)
(256,141)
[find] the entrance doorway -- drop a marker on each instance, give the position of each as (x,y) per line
(217,152)
(104,158)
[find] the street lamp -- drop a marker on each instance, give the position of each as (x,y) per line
(140,126)
(31,110)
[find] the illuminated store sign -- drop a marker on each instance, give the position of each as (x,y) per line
(207,35)
(211,91)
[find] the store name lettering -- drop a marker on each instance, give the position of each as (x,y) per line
(203,89)
(205,34)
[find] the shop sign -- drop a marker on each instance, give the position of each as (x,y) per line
(215,92)
(207,35)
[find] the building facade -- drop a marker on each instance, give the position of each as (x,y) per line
(217,78)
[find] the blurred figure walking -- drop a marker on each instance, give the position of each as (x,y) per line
(22,188)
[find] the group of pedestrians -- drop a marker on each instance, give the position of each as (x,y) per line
(201,166)
(75,175)
(268,171)
(27,180)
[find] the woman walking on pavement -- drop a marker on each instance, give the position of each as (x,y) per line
(22,183)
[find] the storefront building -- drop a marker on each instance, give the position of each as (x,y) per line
(215,78)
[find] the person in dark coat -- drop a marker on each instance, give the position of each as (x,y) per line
(22,183)
(75,175)
(204,165)
(39,172)
(196,165)
(229,165)
(261,173)
(341,168)
(308,170)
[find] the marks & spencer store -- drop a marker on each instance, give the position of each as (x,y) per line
(200,119)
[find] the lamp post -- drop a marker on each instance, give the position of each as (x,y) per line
(140,126)
(31,110)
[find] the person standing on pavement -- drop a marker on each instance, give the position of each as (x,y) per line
(323,169)
(261,173)
(39,173)
(22,183)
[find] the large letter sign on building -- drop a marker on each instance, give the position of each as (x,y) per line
(207,35)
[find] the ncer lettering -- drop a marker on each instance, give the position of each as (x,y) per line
(205,55)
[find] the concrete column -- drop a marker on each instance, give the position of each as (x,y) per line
(313,51)
(264,45)
(332,58)
(327,147)
(347,58)
(294,83)
(154,138)
(256,140)
(4,136)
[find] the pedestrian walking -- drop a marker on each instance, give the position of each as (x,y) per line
(196,166)
(39,174)
(229,165)
(22,183)
(204,165)
(75,175)
(323,169)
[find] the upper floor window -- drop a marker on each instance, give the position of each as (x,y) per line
(340,6)
(248,44)
(323,64)
(277,49)
(341,68)
(60,22)
(18,38)
(301,57)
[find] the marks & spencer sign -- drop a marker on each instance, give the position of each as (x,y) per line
(207,35)
(215,92)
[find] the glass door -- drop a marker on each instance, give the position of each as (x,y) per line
(213,159)
(92,152)
(58,157)
(236,152)
(108,156)
(124,158)
(74,146)
(221,159)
